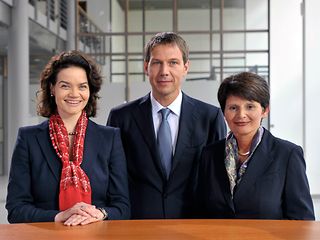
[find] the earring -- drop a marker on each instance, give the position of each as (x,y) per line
(51,95)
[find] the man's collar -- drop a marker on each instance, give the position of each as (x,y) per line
(175,106)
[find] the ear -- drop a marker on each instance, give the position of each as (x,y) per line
(186,67)
(145,67)
(52,90)
(266,112)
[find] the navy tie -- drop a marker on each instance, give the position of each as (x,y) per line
(164,141)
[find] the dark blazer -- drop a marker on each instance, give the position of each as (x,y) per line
(151,194)
(274,186)
(33,189)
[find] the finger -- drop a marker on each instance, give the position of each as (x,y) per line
(70,220)
(91,210)
(75,220)
(80,210)
(79,220)
(83,205)
(89,220)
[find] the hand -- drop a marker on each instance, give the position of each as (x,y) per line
(81,213)
(94,215)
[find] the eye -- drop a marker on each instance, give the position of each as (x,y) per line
(83,87)
(232,108)
(64,86)
(250,107)
(155,62)
(172,63)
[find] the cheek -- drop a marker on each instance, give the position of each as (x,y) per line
(258,117)
(152,72)
(228,118)
(57,96)
(87,96)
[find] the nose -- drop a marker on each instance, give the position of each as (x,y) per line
(242,112)
(164,70)
(74,92)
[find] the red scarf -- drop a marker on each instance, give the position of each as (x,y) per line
(74,183)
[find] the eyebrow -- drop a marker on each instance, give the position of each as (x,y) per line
(170,59)
(65,82)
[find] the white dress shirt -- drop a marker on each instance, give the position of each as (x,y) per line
(173,117)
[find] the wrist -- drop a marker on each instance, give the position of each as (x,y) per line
(104,212)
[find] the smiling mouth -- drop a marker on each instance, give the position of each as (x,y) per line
(72,102)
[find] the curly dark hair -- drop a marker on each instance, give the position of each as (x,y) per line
(46,103)
(163,38)
(247,85)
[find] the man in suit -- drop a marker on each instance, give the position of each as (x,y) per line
(158,188)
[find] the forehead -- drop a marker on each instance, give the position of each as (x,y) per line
(237,100)
(166,51)
(72,74)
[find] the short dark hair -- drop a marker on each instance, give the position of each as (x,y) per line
(163,38)
(246,85)
(46,103)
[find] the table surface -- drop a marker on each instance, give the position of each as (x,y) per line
(166,230)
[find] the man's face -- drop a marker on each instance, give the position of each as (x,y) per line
(166,72)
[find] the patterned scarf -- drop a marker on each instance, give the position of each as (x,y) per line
(74,183)
(231,160)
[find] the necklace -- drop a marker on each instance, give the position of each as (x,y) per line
(244,154)
(71,133)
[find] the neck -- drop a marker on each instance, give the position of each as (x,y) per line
(244,145)
(165,100)
(70,122)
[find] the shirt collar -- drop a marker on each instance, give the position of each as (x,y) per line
(175,106)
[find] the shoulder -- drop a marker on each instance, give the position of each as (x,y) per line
(200,106)
(34,129)
(279,148)
(212,154)
(215,147)
(198,102)
(129,106)
(279,142)
(102,129)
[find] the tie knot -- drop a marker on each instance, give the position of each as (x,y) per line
(165,113)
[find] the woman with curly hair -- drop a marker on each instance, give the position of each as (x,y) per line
(68,168)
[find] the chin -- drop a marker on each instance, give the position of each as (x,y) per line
(240,132)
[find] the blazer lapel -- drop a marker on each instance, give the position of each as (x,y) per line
(48,151)
(222,175)
(91,148)
(143,118)
(258,163)
(186,129)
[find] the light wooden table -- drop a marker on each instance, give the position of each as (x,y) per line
(166,230)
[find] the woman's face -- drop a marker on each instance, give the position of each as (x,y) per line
(71,92)
(244,116)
